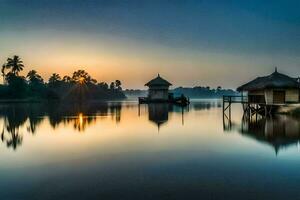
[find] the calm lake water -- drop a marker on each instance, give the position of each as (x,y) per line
(119,150)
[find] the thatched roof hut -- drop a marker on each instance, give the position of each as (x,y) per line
(274,80)
(158,89)
(276,88)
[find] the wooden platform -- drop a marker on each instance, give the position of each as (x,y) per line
(250,106)
(183,101)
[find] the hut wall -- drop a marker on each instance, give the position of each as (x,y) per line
(257,96)
(257,92)
(292,95)
(269,96)
(158,94)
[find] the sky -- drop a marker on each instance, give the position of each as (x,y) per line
(189,42)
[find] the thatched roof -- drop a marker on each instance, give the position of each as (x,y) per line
(274,80)
(158,81)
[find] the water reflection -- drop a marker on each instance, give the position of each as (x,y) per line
(15,116)
(279,131)
(119,150)
(16,120)
(11,135)
(206,105)
(158,113)
(80,116)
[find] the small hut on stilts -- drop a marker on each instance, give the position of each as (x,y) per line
(274,90)
(265,94)
(158,92)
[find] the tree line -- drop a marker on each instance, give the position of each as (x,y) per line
(191,92)
(79,86)
(204,92)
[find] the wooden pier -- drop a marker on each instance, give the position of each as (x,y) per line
(227,102)
(252,107)
(250,104)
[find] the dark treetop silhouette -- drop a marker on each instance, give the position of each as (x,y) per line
(80,86)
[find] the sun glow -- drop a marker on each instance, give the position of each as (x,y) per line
(79,123)
(81,80)
(80,119)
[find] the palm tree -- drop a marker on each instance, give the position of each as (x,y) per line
(54,80)
(3,72)
(34,77)
(118,84)
(67,79)
(81,77)
(31,74)
(15,64)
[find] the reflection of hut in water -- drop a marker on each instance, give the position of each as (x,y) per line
(158,113)
(280,131)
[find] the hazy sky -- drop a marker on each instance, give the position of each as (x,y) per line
(201,42)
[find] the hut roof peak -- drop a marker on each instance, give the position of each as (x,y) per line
(158,81)
(274,80)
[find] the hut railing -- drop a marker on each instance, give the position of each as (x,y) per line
(235,99)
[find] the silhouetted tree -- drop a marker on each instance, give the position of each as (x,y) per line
(82,77)
(3,72)
(67,79)
(34,78)
(17,85)
(36,85)
(54,80)
(118,85)
(112,86)
(15,64)
(103,85)
(80,86)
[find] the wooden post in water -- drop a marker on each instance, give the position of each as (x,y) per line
(230,108)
